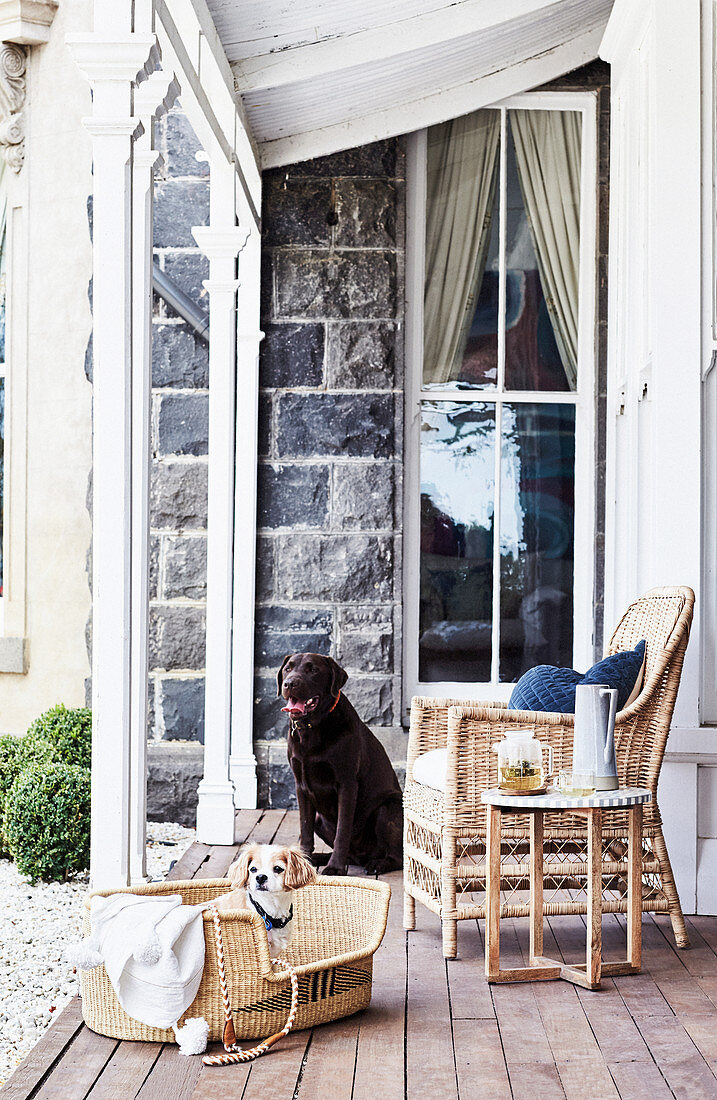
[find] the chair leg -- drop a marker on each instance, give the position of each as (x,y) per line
(409,912)
(669,888)
(448,895)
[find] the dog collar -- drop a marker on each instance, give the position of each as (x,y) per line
(272,922)
(295,724)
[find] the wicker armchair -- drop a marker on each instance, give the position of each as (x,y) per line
(444,839)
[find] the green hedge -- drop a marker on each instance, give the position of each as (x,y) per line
(59,738)
(47,821)
(69,732)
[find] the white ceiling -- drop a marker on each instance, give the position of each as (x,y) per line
(316,76)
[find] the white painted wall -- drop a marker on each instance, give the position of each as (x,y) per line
(48,527)
(655,357)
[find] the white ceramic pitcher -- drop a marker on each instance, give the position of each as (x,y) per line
(594,739)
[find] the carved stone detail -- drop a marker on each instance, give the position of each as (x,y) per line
(13,61)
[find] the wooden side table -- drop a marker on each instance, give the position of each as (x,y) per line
(541,968)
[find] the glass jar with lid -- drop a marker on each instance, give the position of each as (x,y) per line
(520,762)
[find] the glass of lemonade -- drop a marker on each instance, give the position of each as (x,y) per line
(576,784)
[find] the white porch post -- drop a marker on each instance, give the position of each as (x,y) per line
(242,762)
(113,59)
(221,242)
(152,99)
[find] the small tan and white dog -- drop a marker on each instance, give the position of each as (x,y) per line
(265,877)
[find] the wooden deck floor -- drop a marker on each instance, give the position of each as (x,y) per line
(435,1029)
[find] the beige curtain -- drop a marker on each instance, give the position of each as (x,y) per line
(459,201)
(547,148)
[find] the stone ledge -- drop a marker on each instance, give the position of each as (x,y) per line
(173,775)
(13,655)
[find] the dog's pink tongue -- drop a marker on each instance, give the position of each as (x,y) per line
(295,706)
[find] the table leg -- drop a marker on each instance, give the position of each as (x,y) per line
(492,895)
(634,887)
(594,937)
(536,885)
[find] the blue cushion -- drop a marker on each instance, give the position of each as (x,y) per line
(546,687)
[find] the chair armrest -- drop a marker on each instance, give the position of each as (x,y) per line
(429,725)
(472,766)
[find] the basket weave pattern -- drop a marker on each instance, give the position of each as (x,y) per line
(444,838)
(339,925)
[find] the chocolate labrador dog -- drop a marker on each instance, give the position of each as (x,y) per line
(346,789)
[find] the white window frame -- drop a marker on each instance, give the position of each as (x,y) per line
(583,399)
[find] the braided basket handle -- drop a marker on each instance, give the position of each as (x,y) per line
(233,1053)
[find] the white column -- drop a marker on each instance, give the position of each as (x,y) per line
(242,759)
(152,99)
(221,242)
(112,58)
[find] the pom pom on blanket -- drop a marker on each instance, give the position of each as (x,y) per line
(149,952)
(83,956)
(192,1038)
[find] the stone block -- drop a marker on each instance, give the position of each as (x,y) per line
(377,159)
(281,630)
(179,205)
(182,147)
(276,788)
(176,638)
(282,788)
(269,722)
(266,410)
(366,639)
(154,551)
(334,285)
(372,699)
(314,424)
(183,424)
(174,771)
(363,496)
(188,270)
(179,495)
(361,355)
(296,210)
(264,569)
(179,359)
(334,567)
(367,213)
(185,568)
(395,741)
(266,291)
(292,356)
(293,496)
(182,703)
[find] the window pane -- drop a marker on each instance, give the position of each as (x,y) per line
(542,250)
(461,282)
(2,482)
(537,537)
(457,501)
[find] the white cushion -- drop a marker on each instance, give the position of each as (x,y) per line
(430,769)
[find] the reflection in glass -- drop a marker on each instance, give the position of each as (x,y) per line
(457,502)
(542,250)
(2,481)
(536,537)
(460,307)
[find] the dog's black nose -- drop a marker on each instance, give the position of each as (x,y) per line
(260,880)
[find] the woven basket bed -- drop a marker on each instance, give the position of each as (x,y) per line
(340,923)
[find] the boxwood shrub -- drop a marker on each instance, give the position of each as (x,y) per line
(47,821)
(68,731)
(16,753)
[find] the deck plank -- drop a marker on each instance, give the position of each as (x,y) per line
(45,1053)
(126,1072)
(331,1061)
(82,1063)
(481,1068)
(640,1081)
(379,1059)
(430,1069)
(188,865)
(173,1076)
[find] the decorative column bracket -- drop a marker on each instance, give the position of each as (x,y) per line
(13,61)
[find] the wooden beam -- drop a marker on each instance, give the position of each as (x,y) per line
(309,61)
(191,49)
(437,107)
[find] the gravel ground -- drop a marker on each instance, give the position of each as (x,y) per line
(37,925)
